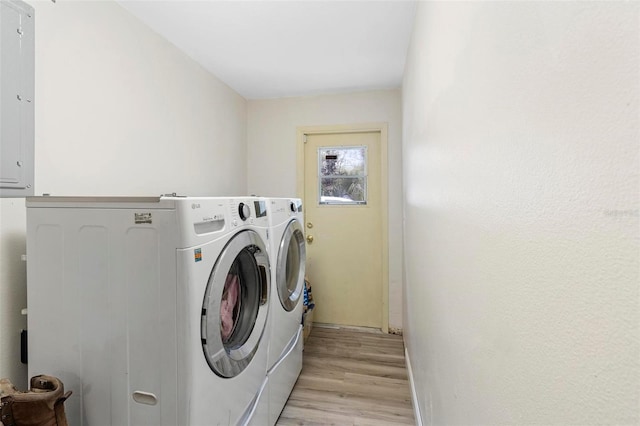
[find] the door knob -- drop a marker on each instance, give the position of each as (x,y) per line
(309,239)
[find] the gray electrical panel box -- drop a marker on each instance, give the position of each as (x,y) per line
(17,75)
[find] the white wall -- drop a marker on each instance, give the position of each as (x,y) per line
(271,138)
(119,111)
(521,171)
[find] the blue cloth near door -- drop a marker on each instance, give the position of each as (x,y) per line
(308,297)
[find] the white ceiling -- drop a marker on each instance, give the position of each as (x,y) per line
(272,49)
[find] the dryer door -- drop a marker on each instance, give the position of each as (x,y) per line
(290,269)
(234,310)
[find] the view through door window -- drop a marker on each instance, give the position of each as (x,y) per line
(342,175)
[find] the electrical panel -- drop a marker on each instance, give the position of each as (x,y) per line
(17,81)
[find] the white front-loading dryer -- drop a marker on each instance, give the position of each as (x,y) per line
(288,254)
(152,310)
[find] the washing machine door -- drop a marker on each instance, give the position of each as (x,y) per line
(234,310)
(290,268)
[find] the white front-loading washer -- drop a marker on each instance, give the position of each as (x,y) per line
(288,254)
(154,310)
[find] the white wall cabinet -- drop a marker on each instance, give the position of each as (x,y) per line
(17,75)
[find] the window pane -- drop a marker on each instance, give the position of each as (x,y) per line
(345,161)
(342,175)
(343,190)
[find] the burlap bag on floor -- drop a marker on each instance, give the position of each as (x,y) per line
(42,405)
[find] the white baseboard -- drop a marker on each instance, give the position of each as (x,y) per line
(414,397)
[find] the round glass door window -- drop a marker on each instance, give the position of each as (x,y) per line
(290,270)
(234,310)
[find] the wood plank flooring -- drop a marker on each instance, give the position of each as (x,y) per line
(350,377)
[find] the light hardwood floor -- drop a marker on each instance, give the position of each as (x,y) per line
(350,377)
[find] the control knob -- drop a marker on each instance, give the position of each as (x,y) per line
(244,211)
(293,207)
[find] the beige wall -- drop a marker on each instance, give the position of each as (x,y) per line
(271,137)
(521,201)
(119,111)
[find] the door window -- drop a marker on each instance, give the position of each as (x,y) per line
(342,175)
